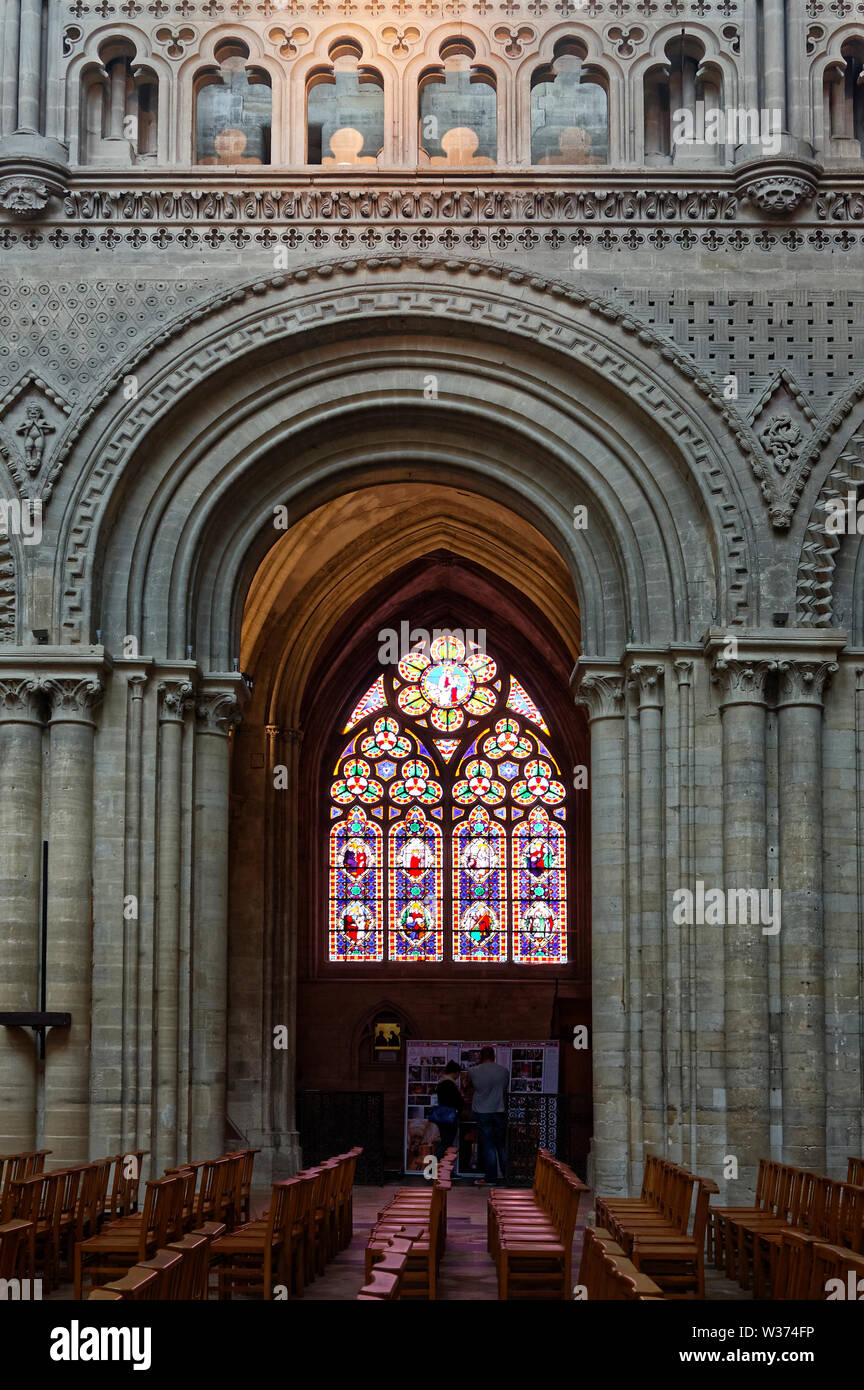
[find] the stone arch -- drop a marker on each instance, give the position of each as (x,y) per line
(597,350)
(815,596)
(8,603)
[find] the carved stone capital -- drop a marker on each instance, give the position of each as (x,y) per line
(217,712)
(778,186)
(24,195)
(804,682)
(602,692)
(742,682)
(176,698)
(646,682)
(73,698)
(684,671)
(20,700)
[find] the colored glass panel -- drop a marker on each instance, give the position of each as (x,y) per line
(373,700)
(479,889)
(416,908)
(356,889)
(521,703)
(539,891)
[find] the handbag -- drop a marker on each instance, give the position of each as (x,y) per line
(443,1114)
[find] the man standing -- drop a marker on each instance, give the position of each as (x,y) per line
(490,1107)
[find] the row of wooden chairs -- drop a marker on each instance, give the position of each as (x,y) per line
(423,1211)
(749,1240)
(205,1198)
(530,1234)
(388,1272)
(177,1272)
(654,1230)
(63,1206)
(776,1193)
(13,1167)
(606,1273)
(309,1220)
(804,1268)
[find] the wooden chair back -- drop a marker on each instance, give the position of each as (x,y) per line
(196,1265)
(168,1265)
(855,1172)
(14,1237)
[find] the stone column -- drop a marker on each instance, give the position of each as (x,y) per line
(117,98)
(73,700)
(131,1062)
(218,709)
(30,66)
(647,681)
(21,861)
(175,699)
(801,936)
(774,57)
(9,62)
(601,688)
(742,686)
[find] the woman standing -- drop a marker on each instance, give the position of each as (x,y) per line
(450,1104)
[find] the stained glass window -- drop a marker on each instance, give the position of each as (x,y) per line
(448,818)
(416,907)
(356,905)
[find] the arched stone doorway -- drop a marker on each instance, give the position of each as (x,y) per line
(294,393)
(362,565)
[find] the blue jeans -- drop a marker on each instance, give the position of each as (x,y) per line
(492,1129)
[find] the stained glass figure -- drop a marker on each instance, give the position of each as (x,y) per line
(479,889)
(539,928)
(416,897)
(356,889)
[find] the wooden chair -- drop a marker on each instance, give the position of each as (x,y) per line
(718,1217)
(833,1262)
(211,1199)
(249,1258)
(65,1221)
(122,1244)
(855,1172)
(380,1286)
(138,1285)
(791,1203)
(168,1266)
(420,1278)
(16,1238)
(122,1200)
(35,1199)
(196,1266)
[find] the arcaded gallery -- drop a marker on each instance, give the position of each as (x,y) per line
(431,660)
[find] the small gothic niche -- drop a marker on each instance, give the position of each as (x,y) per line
(233,104)
(843,96)
(458,110)
(119,113)
(344,110)
(569,109)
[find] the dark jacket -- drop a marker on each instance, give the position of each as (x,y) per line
(449,1094)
